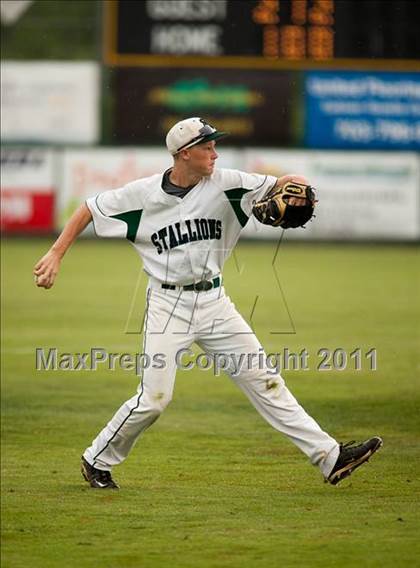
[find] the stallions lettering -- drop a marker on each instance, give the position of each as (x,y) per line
(171,236)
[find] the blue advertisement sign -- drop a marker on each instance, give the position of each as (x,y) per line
(362,110)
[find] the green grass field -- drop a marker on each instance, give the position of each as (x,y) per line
(211,484)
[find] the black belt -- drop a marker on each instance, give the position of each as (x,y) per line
(202,286)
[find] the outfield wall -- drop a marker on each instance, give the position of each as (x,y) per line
(362,195)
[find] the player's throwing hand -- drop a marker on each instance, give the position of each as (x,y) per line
(46,269)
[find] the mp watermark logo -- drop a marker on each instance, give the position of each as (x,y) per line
(234,364)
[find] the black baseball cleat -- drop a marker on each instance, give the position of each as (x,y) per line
(352,456)
(97,478)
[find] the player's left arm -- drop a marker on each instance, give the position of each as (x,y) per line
(260,187)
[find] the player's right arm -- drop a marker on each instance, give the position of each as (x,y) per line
(46,269)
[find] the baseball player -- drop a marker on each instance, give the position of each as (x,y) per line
(184,223)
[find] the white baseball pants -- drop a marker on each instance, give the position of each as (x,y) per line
(174,320)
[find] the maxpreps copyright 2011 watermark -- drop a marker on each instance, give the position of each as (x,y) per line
(98,358)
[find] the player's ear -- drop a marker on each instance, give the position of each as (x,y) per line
(184,154)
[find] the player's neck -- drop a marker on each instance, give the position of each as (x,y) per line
(182,178)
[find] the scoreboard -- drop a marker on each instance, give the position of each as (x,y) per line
(262,33)
(281,73)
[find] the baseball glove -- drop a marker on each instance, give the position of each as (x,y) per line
(279,207)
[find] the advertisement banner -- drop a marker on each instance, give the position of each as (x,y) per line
(253,106)
(28,190)
(50,101)
(362,110)
(88,172)
(362,195)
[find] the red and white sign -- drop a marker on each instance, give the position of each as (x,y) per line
(27,190)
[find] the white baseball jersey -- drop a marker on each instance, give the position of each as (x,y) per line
(181,240)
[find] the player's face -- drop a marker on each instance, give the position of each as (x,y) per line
(202,158)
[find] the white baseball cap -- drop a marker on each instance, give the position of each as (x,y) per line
(189,132)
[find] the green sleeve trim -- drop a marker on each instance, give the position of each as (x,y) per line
(132,218)
(235,196)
